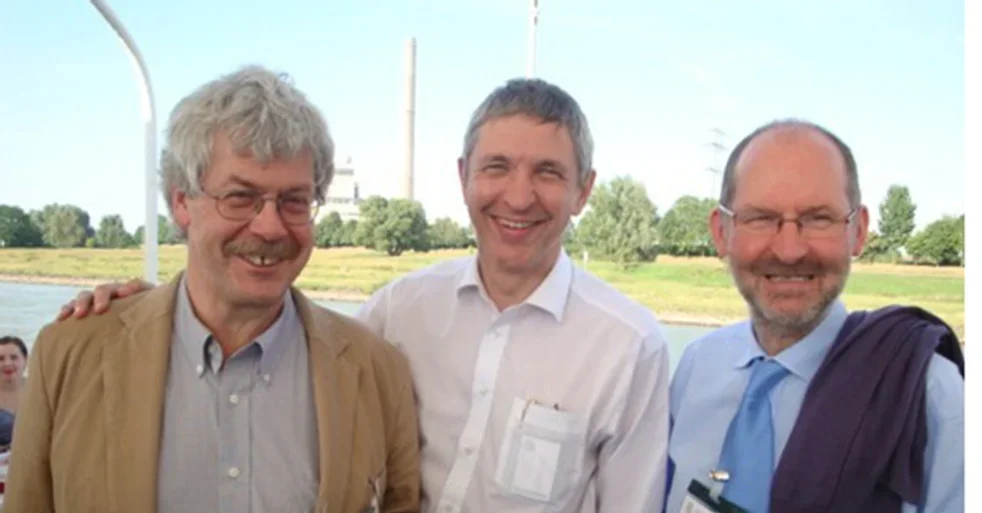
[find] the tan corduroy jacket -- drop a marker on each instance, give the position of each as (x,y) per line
(87,433)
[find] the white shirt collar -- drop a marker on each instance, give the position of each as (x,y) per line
(551,295)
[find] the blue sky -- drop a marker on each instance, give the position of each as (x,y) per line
(653,77)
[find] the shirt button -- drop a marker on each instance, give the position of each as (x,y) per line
(233,472)
(234,399)
(266,378)
(200,369)
(482,392)
(468,451)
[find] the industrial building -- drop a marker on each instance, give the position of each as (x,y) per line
(342,196)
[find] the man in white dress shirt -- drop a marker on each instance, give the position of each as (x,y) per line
(540,387)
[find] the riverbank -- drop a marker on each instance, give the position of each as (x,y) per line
(684,291)
(320,295)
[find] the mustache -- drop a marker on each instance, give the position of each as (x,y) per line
(283,249)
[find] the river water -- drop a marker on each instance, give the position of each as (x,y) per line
(26,308)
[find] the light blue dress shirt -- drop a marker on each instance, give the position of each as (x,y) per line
(239,433)
(713,372)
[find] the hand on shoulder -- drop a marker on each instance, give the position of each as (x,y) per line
(97,300)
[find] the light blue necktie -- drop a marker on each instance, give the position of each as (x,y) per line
(748,452)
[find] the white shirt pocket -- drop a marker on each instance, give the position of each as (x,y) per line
(542,452)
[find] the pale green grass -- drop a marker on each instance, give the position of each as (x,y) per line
(694,290)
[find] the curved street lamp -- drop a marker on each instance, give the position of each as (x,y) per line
(150,138)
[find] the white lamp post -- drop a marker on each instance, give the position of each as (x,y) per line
(150,138)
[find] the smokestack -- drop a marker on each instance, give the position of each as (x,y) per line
(533,26)
(410,120)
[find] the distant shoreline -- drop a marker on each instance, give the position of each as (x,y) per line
(320,295)
(681,292)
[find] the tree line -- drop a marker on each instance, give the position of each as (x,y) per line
(621,224)
(390,226)
(68,226)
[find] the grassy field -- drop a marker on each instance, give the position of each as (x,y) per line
(678,290)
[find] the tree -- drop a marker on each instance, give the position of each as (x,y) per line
(17,230)
(404,228)
(37,220)
(65,226)
(392,226)
(346,238)
(167,232)
(620,224)
(941,242)
(371,214)
(875,249)
(112,233)
(685,228)
(896,218)
(571,240)
(329,231)
(445,233)
(471,238)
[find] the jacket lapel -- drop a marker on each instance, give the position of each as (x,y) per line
(135,374)
(336,384)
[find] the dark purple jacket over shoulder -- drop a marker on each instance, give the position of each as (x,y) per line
(858,444)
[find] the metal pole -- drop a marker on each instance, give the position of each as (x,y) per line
(150,139)
(533,25)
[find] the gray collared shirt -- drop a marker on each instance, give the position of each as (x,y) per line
(239,435)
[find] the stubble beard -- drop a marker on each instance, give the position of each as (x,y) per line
(783,324)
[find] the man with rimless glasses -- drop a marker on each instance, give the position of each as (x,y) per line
(226,389)
(806,407)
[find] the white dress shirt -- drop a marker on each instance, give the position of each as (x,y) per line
(558,404)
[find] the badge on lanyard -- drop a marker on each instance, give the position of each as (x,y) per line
(703,499)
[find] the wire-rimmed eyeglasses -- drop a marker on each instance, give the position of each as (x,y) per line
(810,226)
(244,205)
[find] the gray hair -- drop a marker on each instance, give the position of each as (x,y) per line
(541,100)
(728,189)
(262,114)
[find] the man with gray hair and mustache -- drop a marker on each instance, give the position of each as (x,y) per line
(540,387)
(807,407)
(226,389)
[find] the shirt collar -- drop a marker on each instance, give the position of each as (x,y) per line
(805,356)
(551,295)
(471,278)
(272,343)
